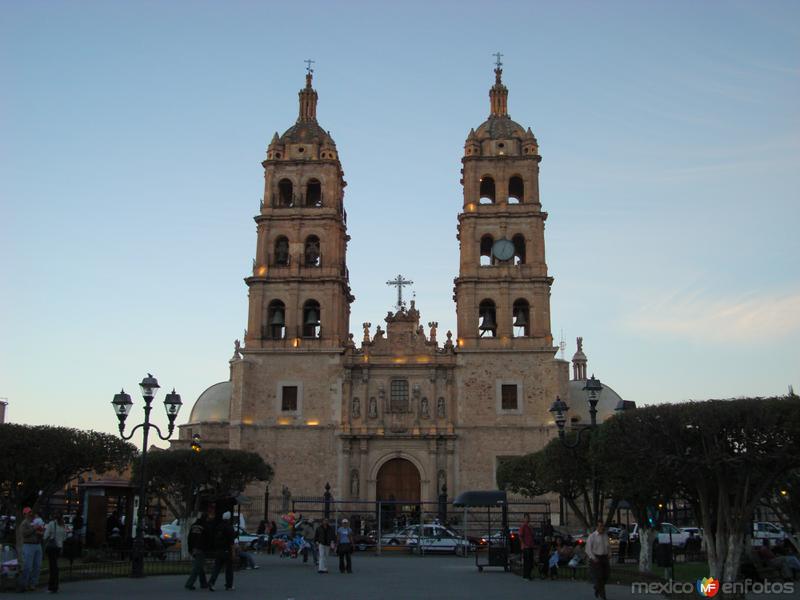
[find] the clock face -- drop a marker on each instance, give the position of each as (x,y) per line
(503,249)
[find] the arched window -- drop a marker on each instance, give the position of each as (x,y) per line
(311,319)
(519,249)
(521,326)
(487,316)
(516,190)
(281,254)
(311,254)
(487,190)
(313,193)
(276,320)
(487,241)
(285,193)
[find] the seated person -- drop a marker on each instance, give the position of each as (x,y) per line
(565,553)
(246,559)
(784,563)
(578,558)
(552,564)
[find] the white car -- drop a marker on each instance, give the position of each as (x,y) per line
(667,533)
(436,538)
(767,531)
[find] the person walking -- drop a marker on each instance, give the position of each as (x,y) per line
(324,538)
(273,531)
(597,553)
(200,545)
(526,542)
(344,547)
(54,536)
(31,551)
(224,539)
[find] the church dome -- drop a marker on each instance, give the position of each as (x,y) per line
(213,405)
(500,128)
(306,132)
(579,405)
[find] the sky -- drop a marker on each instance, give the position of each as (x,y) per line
(131,137)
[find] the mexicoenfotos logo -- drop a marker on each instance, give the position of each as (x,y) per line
(708,587)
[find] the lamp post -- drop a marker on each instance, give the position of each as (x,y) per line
(122,406)
(559,409)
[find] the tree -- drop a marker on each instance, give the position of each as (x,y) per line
(724,456)
(784,501)
(560,469)
(37,461)
(179,477)
(623,450)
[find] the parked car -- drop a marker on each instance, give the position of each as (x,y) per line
(693,531)
(763,530)
(362,542)
(666,532)
(437,538)
(399,536)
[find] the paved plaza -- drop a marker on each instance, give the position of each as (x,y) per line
(386,578)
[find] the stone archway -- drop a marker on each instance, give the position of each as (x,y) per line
(398,479)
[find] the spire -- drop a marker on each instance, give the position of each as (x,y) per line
(308,97)
(579,362)
(498,95)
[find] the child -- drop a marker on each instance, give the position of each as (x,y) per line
(552,564)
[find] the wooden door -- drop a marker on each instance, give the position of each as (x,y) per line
(398,479)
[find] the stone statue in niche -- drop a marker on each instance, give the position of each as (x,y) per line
(373,408)
(356,408)
(424,410)
(440,408)
(354,483)
(441,480)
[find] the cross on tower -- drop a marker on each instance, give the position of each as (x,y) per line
(499,62)
(309,62)
(399,282)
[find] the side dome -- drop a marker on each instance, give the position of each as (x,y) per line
(213,405)
(579,405)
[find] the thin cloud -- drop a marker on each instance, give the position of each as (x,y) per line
(754,318)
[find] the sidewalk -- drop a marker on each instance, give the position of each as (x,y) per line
(384,578)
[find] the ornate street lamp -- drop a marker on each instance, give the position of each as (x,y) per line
(122,406)
(593,389)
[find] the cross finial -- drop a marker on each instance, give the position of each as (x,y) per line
(309,62)
(498,62)
(399,282)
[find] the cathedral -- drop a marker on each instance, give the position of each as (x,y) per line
(402,409)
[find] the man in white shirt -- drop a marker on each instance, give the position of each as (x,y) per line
(597,553)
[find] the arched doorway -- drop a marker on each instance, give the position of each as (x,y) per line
(398,485)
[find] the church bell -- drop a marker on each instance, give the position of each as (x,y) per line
(520,320)
(488,323)
(277,318)
(312,318)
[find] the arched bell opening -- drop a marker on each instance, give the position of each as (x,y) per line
(516,190)
(521,325)
(314,193)
(487,242)
(311,255)
(281,252)
(519,249)
(311,319)
(487,319)
(276,320)
(487,191)
(285,193)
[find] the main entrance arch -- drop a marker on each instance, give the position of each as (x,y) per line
(398,479)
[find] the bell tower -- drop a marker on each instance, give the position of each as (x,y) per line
(502,291)
(299,292)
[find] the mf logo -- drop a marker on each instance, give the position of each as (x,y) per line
(708,587)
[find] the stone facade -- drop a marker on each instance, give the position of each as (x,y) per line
(320,407)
